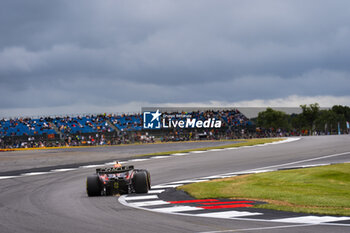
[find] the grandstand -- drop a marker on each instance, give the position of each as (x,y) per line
(127,122)
(108,129)
(28,127)
(85,124)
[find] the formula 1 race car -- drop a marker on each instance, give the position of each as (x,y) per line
(121,180)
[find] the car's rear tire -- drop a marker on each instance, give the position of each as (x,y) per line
(93,186)
(140,182)
(148,179)
(148,174)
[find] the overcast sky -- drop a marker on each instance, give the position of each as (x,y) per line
(65,57)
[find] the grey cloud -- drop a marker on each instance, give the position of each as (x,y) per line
(64,53)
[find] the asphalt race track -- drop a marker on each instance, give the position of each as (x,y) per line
(57,202)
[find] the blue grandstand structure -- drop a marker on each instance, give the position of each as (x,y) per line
(110,128)
(102,123)
(25,127)
(127,122)
(85,124)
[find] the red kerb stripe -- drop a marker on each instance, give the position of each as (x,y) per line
(193,201)
(225,206)
(226,202)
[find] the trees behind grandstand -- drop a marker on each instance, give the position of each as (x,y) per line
(311,119)
(273,119)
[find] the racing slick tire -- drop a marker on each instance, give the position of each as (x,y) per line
(148,174)
(93,186)
(140,182)
(148,180)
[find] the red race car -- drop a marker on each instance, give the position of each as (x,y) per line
(118,180)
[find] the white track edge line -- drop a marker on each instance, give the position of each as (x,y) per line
(285,140)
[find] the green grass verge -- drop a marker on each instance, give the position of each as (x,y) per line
(318,190)
(130,144)
(241,142)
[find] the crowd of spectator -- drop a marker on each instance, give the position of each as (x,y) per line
(25,126)
(99,139)
(85,124)
(108,129)
(127,122)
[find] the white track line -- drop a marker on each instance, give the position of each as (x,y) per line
(151,203)
(91,166)
(301,161)
(166,186)
(315,165)
(198,151)
(266,169)
(175,209)
(34,173)
(218,176)
(64,170)
(261,171)
(139,160)
(259,228)
(156,191)
(7,177)
(228,214)
(160,157)
(179,154)
(312,219)
(110,163)
(145,197)
(188,181)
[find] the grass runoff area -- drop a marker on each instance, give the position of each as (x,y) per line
(238,143)
(317,190)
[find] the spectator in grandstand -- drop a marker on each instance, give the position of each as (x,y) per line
(76,130)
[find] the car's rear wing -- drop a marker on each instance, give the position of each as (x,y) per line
(113,170)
